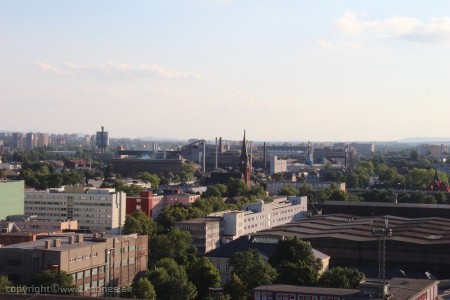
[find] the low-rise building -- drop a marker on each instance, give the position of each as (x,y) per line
(205,232)
(229,225)
(396,289)
(22,223)
(152,204)
(95,262)
(264,245)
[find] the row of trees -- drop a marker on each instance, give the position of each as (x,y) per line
(176,272)
(376,195)
(292,262)
(416,176)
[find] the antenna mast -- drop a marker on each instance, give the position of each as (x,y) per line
(382,233)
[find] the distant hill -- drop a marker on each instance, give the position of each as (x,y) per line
(426,140)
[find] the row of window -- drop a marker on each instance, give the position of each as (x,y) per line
(88,273)
(125,262)
(81,257)
(130,248)
(64,203)
(289,296)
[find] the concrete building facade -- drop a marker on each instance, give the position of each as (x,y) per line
(277,165)
(11,197)
(34,225)
(97,263)
(205,232)
(152,204)
(223,227)
(95,209)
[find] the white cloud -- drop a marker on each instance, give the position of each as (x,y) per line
(349,23)
(48,68)
(143,71)
(397,27)
(324,44)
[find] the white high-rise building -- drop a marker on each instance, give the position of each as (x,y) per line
(277,165)
(95,209)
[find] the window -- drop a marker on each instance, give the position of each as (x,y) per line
(279,296)
(257,296)
(13,262)
(79,275)
(101,269)
(292,297)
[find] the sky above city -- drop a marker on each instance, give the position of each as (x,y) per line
(341,70)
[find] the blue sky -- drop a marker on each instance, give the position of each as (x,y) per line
(282,70)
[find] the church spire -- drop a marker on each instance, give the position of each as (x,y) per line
(244,164)
(244,155)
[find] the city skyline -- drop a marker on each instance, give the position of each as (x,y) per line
(282,70)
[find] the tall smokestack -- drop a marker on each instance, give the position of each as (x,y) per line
(264,158)
(154,150)
(251,156)
(217,154)
(220,145)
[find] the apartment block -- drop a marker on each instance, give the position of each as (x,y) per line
(98,263)
(95,209)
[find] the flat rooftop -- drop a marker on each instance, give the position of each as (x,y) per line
(88,240)
(427,231)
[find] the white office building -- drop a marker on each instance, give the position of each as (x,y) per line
(99,210)
(222,227)
(260,215)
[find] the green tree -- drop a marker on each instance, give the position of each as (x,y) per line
(251,269)
(295,262)
(236,187)
(339,277)
(278,176)
(175,244)
(236,288)
(144,289)
(148,177)
(166,219)
(188,171)
(204,275)
(138,222)
(379,196)
(414,156)
(338,195)
(4,284)
(49,278)
(171,282)
(288,190)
